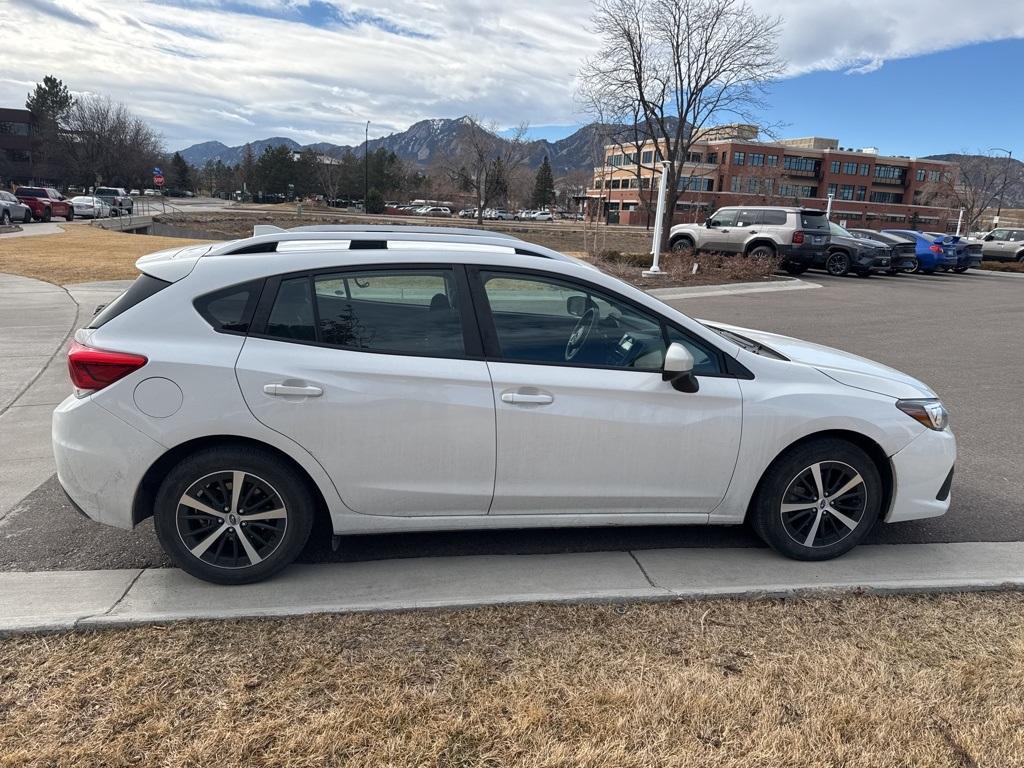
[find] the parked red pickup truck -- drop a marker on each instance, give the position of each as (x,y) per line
(45,202)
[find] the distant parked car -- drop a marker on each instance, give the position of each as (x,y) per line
(12,209)
(434,210)
(797,236)
(150,193)
(45,202)
(904,250)
(467,213)
(500,214)
(968,254)
(91,207)
(134,192)
(117,198)
(1003,245)
(930,252)
(525,214)
(543,216)
(848,253)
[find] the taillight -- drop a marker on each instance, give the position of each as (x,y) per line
(94,369)
(798,238)
(935,248)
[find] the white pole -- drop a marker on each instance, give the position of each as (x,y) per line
(959,221)
(659,219)
(828,208)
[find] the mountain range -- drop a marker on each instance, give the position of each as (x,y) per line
(421,144)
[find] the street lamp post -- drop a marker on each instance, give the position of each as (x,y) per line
(366,166)
(1002,189)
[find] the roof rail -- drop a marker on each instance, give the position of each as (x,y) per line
(267,242)
(457,231)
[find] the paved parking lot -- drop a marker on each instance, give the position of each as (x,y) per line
(963,335)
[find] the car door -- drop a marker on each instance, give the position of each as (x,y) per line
(585,422)
(994,245)
(378,374)
(748,225)
(718,234)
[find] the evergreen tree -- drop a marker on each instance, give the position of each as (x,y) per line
(50,104)
(247,169)
(181,175)
(543,186)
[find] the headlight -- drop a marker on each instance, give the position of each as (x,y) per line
(930,412)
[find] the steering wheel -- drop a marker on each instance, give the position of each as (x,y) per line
(580,334)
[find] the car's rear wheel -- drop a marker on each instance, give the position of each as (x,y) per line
(5,217)
(27,218)
(818,500)
(762,251)
(837,263)
(233,515)
(960,270)
(70,215)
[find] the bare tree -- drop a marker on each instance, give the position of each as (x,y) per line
(328,172)
(682,66)
(487,163)
(109,145)
(979,183)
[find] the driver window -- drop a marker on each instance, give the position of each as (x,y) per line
(724,218)
(544,320)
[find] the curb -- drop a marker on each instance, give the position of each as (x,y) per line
(48,601)
(726,289)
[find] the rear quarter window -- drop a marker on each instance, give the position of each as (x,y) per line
(230,310)
(774,218)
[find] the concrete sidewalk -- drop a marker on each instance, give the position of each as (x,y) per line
(61,600)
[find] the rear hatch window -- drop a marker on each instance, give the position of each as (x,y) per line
(814,220)
(143,287)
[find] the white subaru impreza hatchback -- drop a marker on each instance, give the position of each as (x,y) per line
(400,379)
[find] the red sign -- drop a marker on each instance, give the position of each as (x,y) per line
(158,180)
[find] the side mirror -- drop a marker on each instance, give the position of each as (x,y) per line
(678,368)
(708,223)
(988,238)
(576,305)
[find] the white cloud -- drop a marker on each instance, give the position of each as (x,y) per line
(198,72)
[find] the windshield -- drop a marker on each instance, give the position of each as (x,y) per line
(31,192)
(837,230)
(748,344)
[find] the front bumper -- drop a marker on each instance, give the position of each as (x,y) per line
(100,460)
(920,472)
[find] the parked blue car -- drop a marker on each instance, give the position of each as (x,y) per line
(967,254)
(932,252)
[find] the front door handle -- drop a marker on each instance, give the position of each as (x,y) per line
(285,390)
(524,398)
(753,231)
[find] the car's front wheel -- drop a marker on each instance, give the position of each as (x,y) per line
(818,500)
(69,215)
(5,218)
(27,218)
(233,515)
(681,244)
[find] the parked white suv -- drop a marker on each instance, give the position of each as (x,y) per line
(421,378)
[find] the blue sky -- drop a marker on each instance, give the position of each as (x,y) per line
(908,76)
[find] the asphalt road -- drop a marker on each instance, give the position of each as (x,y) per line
(962,334)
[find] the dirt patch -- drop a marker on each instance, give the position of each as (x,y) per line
(861,682)
(678,269)
(1003,266)
(80,254)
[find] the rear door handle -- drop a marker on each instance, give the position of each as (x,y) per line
(284,390)
(523,398)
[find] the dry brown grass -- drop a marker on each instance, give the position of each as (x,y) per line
(713,268)
(852,681)
(82,253)
(1003,266)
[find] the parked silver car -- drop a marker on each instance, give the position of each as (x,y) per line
(1003,245)
(13,210)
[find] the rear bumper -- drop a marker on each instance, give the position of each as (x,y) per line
(100,460)
(804,256)
(920,473)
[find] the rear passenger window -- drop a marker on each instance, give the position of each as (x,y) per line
(292,314)
(748,218)
(412,312)
(230,310)
(143,287)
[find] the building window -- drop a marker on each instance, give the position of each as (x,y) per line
(773,160)
(739,158)
(712,158)
(752,185)
(645,182)
(889,172)
(862,193)
(846,192)
(921,173)
(694,157)
(886,197)
(647,157)
(17,129)
(599,184)
(757,158)
(735,183)
(17,155)
(616,183)
(850,169)
(807,164)
(833,167)
(832,189)
(865,169)
(934,175)
(615,161)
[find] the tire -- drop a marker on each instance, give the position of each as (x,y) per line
(795,269)
(5,218)
(762,251)
(232,554)
(831,530)
(46,214)
(837,263)
(27,218)
(917,267)
(70,215)
(681,244)
(960,270)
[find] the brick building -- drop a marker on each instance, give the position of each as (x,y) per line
(17,163)
(729,166)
